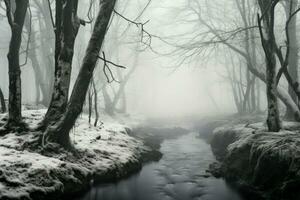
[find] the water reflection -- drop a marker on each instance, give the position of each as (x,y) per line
(179,175)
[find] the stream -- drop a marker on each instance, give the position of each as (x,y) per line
(179,175)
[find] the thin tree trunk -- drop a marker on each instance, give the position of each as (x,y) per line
(258,101)
(2,102)
(15,96)
(47,49)
(95,103)
(108,104)
(125,80)
(231,75)
(60,132)
(247,93)
(32,55)
(253,95)
(90,104)
(254,62)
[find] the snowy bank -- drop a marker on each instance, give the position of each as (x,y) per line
(258,162)
(105,153)
(209,124)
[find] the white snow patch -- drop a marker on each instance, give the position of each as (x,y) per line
(107,147)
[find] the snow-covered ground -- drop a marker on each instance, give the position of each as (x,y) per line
(267,163)
(105,151)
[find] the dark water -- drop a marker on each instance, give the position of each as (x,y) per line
(179,175)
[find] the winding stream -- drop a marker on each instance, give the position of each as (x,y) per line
(179,175)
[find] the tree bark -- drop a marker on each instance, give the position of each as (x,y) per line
(16,22)
(293,54)
(59,133)
(2,102)
(269,46)
(67,26)
(95,103)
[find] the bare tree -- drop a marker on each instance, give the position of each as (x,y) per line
(59,132)
(67,26)
(121,90)
(42,90)
(215,36)
(16,12)
(269,45)
(46,42)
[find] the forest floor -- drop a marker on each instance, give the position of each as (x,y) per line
(261,164)
(105,153)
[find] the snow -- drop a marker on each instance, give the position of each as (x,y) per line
(24,173)
(267,161)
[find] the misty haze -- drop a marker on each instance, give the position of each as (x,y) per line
(149,100)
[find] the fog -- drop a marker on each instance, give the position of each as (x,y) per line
(149,99)
(162,85)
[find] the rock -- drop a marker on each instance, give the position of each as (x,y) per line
(215,169)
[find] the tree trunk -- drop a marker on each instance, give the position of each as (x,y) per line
(32,55)
(273,120)
(293,55)
(258,101)
(108,104)
(59,133)
(121,89)
(15,95)
(234,88)
(253,96)
(269,46)
(95,103)
(90,104)
(65,40)
(2,102)
(47,48)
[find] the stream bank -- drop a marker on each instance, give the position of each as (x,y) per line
(105,153)
(260,164)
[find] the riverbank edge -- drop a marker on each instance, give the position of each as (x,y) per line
(245,162)
(111,176)
(73,190)
(51,176)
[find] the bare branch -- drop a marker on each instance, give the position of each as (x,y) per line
(28,38)
(140,25)
(107,68)
(51,14)
(9,14)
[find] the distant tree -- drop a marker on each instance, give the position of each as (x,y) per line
(45,40)
(124,80)
(231,37)
(42,90)
(16,12)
